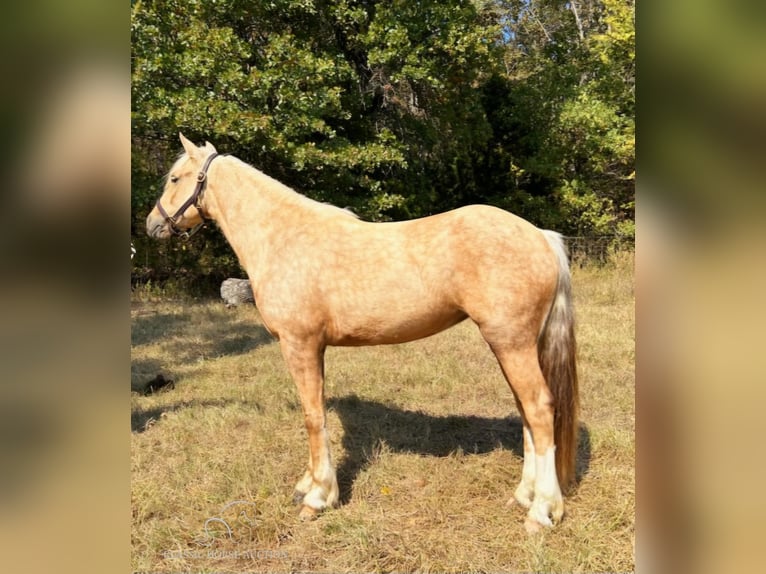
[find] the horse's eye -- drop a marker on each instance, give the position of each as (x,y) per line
(173,178)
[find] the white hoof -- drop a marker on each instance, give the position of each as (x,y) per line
(546,511)
(532,526)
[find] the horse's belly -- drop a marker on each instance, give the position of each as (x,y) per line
(379,329)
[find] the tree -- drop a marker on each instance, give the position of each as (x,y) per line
(565,113)
(597,125)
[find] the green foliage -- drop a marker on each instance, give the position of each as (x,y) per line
(396,109)
(565,114)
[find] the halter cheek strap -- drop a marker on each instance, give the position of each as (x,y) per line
(194,200)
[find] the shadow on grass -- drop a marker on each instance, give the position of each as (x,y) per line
(146,329)
(186,338)
(141,419)
(215,335)
(366,423)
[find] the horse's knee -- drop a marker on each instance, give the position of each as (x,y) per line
(314,422)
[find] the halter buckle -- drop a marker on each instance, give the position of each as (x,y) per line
(186,235)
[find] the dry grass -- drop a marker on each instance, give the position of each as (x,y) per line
(425,437)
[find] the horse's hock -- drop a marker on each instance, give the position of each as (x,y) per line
(235,292)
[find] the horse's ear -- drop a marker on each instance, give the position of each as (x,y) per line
(191,149)
(210,148)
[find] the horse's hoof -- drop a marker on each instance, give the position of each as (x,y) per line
(298,497)
(532,526)
(308,513)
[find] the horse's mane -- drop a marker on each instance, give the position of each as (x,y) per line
(296,196)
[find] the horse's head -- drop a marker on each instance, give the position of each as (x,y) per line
(179,210)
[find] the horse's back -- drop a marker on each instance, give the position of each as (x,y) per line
(485,244)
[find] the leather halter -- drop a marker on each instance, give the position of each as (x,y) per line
(194,200)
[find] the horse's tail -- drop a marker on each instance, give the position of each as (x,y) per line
(556,351)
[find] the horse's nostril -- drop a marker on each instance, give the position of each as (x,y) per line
(154,230)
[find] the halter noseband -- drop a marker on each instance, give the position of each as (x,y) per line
(194,200)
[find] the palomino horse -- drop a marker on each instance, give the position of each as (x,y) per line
(321,277)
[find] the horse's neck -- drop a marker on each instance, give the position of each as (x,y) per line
(249,208)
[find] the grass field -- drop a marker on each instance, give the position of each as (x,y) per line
(425,437)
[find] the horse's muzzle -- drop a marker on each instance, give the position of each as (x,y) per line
(157,227)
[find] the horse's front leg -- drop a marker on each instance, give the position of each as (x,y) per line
(318,488)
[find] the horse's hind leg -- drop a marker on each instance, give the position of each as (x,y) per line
(539,487)
(525,492)
(304,484)
(318,488)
